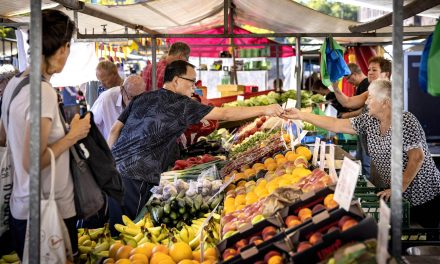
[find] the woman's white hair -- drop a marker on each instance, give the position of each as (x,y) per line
(380,89)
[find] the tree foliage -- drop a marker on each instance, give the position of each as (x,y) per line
(336,9)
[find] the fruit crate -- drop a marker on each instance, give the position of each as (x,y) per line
(412,237)
(247,231)
(371,205)
(360,191)
(331,237)
(261,255)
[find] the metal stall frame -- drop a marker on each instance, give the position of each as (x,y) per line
(397,99)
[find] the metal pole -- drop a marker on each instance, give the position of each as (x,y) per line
(298,71)
(153,61)
(277,55)
(396,124)
(75,19)
(225,16)
(35,113)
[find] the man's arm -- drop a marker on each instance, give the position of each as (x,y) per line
(240,113)
(115,131)
(351,114)
(354,102)
(329,123)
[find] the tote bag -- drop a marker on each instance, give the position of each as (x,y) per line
(5,188)
(55,244)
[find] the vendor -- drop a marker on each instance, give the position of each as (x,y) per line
(147,130)
(421,179)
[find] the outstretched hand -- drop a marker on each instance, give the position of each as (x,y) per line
(273,110)
(292,113)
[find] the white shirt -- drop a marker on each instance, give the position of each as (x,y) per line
(18,118)
(107,109)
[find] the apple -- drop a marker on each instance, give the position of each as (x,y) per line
(348,224)
(257,219)
(271,254)
(303,246)
(315,238)
(229,253)
(293,223)
(318,208)
(343,219)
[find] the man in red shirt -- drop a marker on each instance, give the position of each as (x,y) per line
(178,51)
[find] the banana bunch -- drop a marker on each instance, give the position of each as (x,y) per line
(11,258)
(93,243)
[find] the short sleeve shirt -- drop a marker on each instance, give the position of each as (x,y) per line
(152,123)
(160,74)
(426,184)
(362,87)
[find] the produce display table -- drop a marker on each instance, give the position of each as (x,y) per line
(221,100)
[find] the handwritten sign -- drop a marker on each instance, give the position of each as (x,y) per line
(382,233)
(322,156)
(291,103)
(240,98)
(331,163)
(316,151)
(346,183)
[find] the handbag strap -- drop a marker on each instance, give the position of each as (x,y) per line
(52,174)
(73,150)
(17,90)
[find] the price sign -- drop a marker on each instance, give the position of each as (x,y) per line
(382,233)
(316,151)
(346,183)
(322,156)
(290,103)
(331,165)
(240,98)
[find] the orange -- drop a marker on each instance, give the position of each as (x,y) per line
(304,151)
(196,255)
(239,176)
(301,172)
(240,207)
(278,156)
(268,161)
(291,156)
(249,172)
(230,187)
(180,251)
(240,200)
(241,183)
(211,252)
(123,261)
(286,138)
(271,166)
(158,257)
(328,198)
(257,165)
(160,248)
(123,252)
(281,161)
(304,211)
(114,248)
(251,198)
(186,261)
(139,257)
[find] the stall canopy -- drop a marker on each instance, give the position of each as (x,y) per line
(189,16)
(209,47)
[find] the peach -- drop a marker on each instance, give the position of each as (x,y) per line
(332,204)
(303,246)
(317,208)
(271,254)
(241,243)
(348,224)
(331,229)
(305,217)
(304,211)
(255,238)
(315,238)
(229,253)
(275,260)
(268,231)
(290,218)
(294,223)
(343,219)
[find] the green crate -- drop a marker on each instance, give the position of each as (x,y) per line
(370,204)
(360,190)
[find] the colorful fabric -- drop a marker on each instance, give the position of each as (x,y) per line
(434,63)
(160,74)
(333,66)
(423,70)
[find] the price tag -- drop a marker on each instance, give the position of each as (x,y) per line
(331,165)
(346,183)
(382,234)
(316,151)
(240,98)
(290,103)
(322,156)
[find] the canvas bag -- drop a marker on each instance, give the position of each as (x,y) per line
(5,188)
(88,195)
(55,244)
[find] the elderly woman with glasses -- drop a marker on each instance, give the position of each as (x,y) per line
(420,179)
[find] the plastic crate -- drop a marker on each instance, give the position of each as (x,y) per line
(361,190)
(412,237)
(370,204)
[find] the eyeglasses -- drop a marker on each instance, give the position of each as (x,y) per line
(348,77)
(124,91)
(190,80)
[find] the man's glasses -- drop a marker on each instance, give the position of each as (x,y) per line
(348,77)
(190,80)
(124,91)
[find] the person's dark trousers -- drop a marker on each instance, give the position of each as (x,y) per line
(5,240)
(98,220)
(18,234)
(136,195)
(428,214)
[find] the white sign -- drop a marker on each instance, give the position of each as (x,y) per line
(322,156)
(331,162)
(316,151)
(240,98)
(346,183)
(290,104)
(382,235)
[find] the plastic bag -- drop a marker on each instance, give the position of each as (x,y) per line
(423,71)
(333,66)
(434,63)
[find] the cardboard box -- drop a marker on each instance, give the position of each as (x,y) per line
(230,88)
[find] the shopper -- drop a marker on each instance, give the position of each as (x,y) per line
(178,51)
(320,88)
(358,80)
(57,33)
(420,179)
(112,102)
(146,131)
(107,74)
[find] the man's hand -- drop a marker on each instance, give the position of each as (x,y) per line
(292,113)
(385,195)
(335,87)
(79,128)
(273,110)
